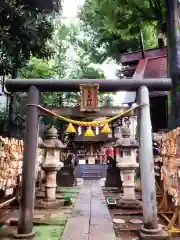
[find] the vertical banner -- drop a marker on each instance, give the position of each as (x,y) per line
(89,97)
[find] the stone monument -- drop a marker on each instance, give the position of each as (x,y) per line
(113,178)
(66,176)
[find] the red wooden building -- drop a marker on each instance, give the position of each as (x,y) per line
(152,65)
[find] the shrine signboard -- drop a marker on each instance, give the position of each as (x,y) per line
(89,97)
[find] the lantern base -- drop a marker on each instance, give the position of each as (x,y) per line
(24,236)
(47,200)
(45,203)
(50,193)
(157,234)
(129,203)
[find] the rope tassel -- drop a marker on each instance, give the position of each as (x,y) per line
(89,132)
(106,129)
(82,123)
(70,128)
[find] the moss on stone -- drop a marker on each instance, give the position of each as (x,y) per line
(48,232)
(51,221)
(68,189)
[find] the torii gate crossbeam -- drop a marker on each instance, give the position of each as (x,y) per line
(34,87)
(105,85)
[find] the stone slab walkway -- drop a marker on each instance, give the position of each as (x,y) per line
(90,219)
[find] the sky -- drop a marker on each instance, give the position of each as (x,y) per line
(70,8)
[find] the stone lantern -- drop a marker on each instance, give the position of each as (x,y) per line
(127,165)
(52,164)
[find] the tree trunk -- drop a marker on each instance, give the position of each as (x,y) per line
(141,40)
(12,128)
(173,37)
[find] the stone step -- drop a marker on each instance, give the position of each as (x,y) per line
(90,172)
(91,177)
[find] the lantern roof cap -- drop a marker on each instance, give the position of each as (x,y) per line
(52,132)
(51,139)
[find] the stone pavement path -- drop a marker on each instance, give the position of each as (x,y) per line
(90,219)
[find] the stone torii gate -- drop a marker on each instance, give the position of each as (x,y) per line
(150,230)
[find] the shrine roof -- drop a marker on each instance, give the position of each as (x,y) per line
(127,58)
(156,67)
(150,67)
(153,67)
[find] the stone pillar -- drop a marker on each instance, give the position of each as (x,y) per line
(50,185)
(128,184)
(151,229)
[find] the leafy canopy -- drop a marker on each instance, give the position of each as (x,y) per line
(113,27)
(23,32)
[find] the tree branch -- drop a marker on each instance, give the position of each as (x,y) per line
(158,4)
(155,5)
(151,4)
(144,14)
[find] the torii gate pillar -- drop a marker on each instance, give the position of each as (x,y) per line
(25,224)
(151,229)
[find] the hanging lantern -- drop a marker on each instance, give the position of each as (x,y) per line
(89,132)
(70,128)
(106,129)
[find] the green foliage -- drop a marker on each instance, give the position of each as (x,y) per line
(24,32)
(113,27)
(60,66)
(37,68)
(45,5)
(61,42)
(106,100)
(86,71)
(2,107)
(3,116)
